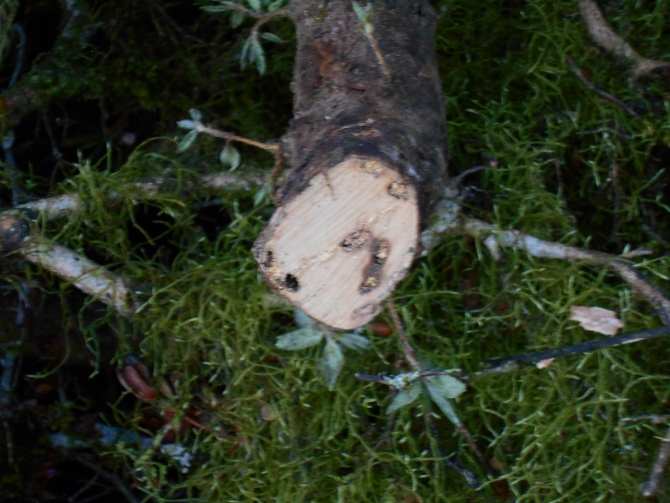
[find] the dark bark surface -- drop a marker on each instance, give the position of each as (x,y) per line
(346,104)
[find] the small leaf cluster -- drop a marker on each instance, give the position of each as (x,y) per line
(440,389)
(252,50)
(312,333)
(229,156)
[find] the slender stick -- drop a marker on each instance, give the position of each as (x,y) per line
(66,204)
(650,488)
(406,346)
(270,147)
(597,90)
(584,347)
(111,477)
(89,277)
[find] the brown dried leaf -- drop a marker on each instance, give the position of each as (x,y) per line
(543,364)
(596,319)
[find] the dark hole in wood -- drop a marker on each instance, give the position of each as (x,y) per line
(291,283)
(369,284)
(268,260)
(380,252)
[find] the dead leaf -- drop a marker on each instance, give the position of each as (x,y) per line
(543,364)
(596,319)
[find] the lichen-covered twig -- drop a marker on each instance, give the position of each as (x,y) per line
(547,249)
(448,220)
(67,204)
(606,38)
(86,275)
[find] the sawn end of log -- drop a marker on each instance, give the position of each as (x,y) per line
(367,149)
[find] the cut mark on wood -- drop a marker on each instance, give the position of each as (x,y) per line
(338,259)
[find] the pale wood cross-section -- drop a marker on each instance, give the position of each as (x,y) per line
(338,249)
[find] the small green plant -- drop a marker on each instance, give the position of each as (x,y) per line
(311,333)
(262,10)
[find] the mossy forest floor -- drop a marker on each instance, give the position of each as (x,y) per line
(564,165)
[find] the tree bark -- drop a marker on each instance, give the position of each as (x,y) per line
(367,148)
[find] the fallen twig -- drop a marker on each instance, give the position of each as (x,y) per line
(83,273)
(67,204)
(584,347)
(650,487)
(270,147)
(604,36)
(89,277)
(597,90)
(547,249)
(111,477)
(410,356)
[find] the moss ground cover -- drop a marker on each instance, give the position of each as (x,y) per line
(563,165)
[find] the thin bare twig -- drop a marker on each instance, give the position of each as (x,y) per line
(597,90)
(270,147)
(410,356)
(472,479)
(407,348)
(584,347)
(651,486)
(111,477)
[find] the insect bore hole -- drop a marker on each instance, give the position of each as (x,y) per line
(291,283)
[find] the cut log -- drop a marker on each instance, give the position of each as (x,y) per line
(367,148)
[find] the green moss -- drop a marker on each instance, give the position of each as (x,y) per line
(566,166)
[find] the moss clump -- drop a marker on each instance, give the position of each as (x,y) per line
(565,165)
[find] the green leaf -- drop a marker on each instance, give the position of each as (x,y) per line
(187,124)
(187,141)
(354,341)
(405,397)
(214,8)
(332,362)
(255,5)
(275,5)
(195,114)
(262,194)
(436,394)
(257,54)
(361,12)
(446,385)
(230,156)
(299,339)
(236,18)
(271,37)
(245,52)
(302,319)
